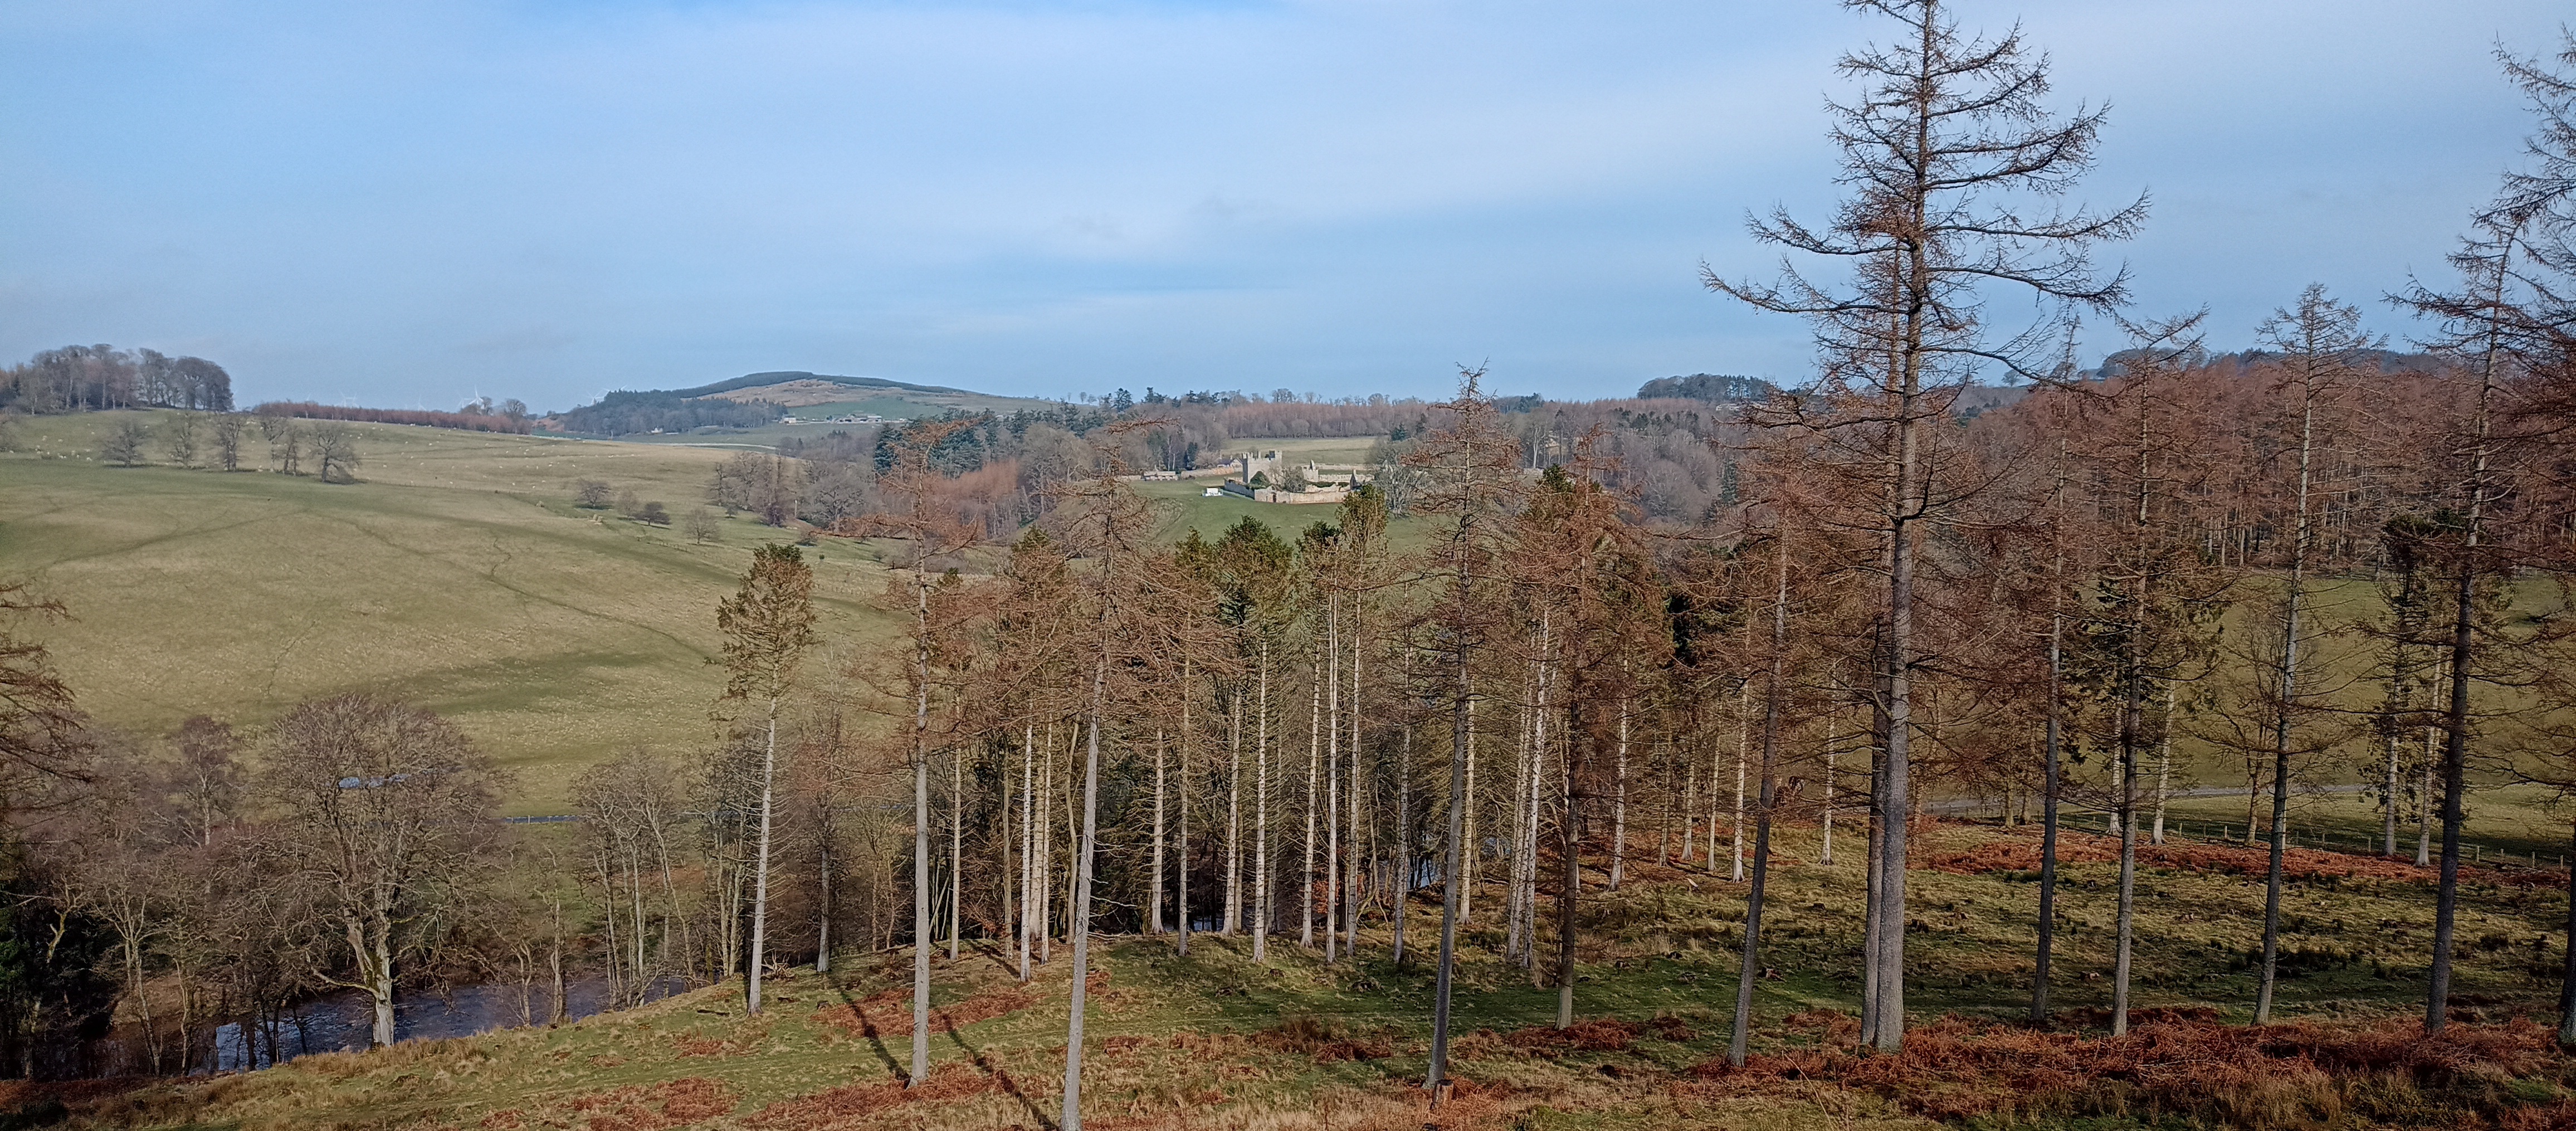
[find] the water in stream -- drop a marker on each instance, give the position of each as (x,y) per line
(340,1022)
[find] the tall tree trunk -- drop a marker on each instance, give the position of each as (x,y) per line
(1750,966)
(823,914)
(608,925)
(1189,739)
(1046,849)
(2455,739)
(1517,943)
(1884,815)
(2285,708)
(1467,886)
(1234,815)
(760,866)
(2164,766)
(2050,784)
(1261,908)
(1690,808)
(1029,881)
(2127,809)
(673,924)
(1743,738)
(1833,756)
(921,928)
(2388,830)
(1081,925)
(1314,799)
(1534,773)
(1072,826)
(1462,729)
(1885,1029)
(1569,883)
(560,1011)
(1154,921)
(2050,792)
(956,850)
(1619,797)
(1404,843)
(1332,780)
(2425,795)
(2455,749)
(1351,862)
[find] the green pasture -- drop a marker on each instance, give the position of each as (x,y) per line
(457,573)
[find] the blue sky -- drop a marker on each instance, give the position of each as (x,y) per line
(405,204)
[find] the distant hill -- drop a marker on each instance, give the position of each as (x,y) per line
(751,381)
(1711,387)
(2381,360)
(756,399)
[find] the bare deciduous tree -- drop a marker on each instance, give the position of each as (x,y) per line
(335,447)
(390,811)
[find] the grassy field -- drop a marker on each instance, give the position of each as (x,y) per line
(457,573)
(2514,821)
(1185,506)
(1302,449)
(1213,1040)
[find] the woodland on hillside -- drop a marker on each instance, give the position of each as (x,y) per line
(77,378)
(1869,600)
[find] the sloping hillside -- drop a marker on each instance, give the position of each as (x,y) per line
(458,573)
(1215,1040)
(721,411)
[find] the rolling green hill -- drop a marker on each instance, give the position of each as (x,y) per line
(813,397)
(457,573)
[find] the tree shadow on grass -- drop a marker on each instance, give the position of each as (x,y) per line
(1010,1087)
(867,1025)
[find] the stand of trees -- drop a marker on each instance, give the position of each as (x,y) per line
(80,378)
(220,442)
(626,413)
(476,418)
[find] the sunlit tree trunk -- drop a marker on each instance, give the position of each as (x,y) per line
(2164,766)
(1234,815)
(2285,705)
(1404,843)
(1750,964)
(1029,881)
(1359,808)
(957,850)
(1743,739)
(760,875)
(1080,927)
(2050,791)
(1314,802)
(1462,731)
(1261,909)
(1690,808)
(1181,878)
(1154,920)
(1619,798)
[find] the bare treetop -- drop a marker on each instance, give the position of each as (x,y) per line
(1954,165)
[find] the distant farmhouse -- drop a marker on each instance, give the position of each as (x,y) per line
(1268,478)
